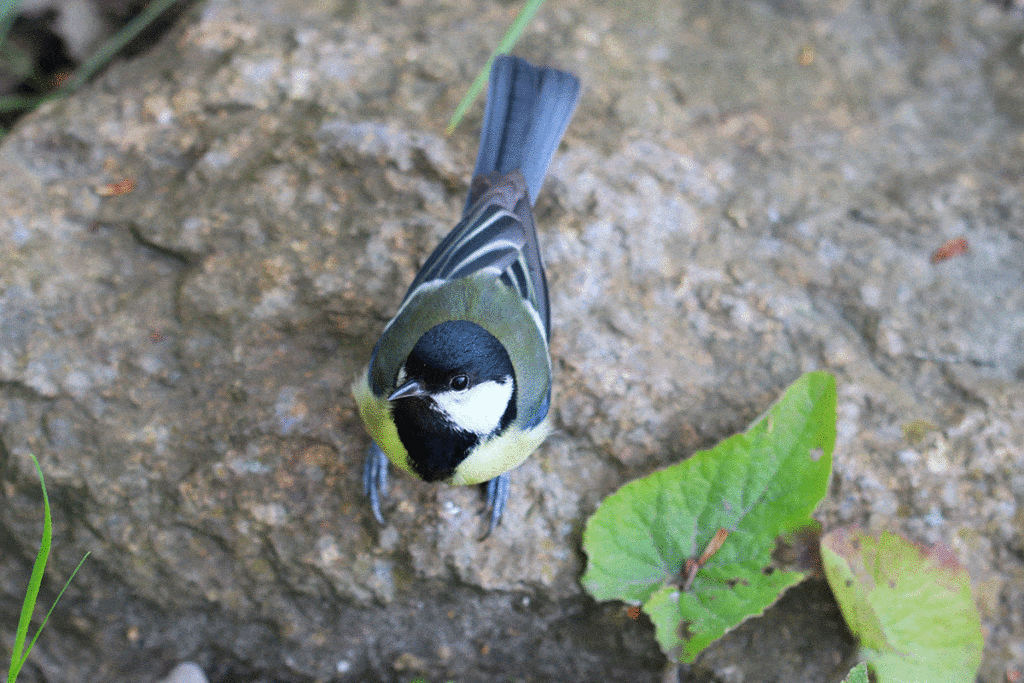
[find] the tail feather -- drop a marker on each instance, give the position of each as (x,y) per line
(528,109)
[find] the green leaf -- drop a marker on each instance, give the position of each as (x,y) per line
(858,674)
(755,486)
(910,606)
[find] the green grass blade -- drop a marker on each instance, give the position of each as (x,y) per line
(106,52)
(516,30)
(50,611)
(18,654)
(90,66)
(16,102)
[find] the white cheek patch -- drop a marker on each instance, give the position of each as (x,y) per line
(478,409)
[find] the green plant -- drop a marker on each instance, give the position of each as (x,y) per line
(910,606)
(20,653)
(692,544)
(858,674)
(99,59)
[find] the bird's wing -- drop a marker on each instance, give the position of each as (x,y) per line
(497,233)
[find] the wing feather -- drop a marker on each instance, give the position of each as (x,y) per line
(497,233)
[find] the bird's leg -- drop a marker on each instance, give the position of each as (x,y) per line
(375,479)
(497,496)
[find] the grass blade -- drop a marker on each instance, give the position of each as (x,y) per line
(16,102)
(96,61)
(50,611)
(18,654)
(514,31)
(113,45)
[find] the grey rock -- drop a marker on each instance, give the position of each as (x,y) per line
(748,191)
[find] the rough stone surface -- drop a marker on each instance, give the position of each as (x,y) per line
(748,191)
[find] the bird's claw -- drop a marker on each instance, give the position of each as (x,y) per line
(497,497)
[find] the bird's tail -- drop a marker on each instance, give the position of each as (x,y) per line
(528,109)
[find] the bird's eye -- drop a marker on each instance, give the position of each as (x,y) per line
(459,382)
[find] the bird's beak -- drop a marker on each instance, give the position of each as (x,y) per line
(408,390)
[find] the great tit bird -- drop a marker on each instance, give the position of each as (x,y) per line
(459,384)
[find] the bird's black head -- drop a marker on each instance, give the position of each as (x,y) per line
(456,388)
